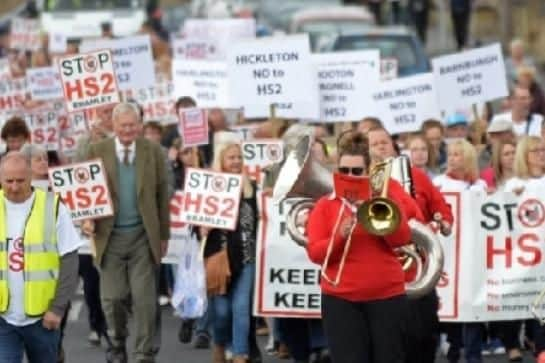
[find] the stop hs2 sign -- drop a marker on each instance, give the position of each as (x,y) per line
(88,80)
(83,189)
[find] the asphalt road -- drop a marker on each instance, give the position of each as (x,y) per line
(79,351)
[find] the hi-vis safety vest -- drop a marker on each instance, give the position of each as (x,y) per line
(41,258)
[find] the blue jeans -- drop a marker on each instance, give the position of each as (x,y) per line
(232,313)
(204,322)
(40,344)
(467,335)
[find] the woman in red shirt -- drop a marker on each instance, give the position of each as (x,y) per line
(365,313)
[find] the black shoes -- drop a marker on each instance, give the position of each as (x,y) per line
(186,331)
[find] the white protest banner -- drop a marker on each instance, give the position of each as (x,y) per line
(403,104)
(157,102)
(25,34)
(205,82)
(195,49)
(211,199)
(388,69)
(44,127)
(73,126)
(245,132)
(57,42)
(44,83)
(345,81)
(132,58)
(273,71)
(470,77)
(83,189)
(193,126)
(13,94)
(88,80)
(258,154)
(221,33)
(287,283)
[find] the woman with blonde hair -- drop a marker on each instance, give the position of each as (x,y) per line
(502,168)
(462,175)
(529,165)
(231,304)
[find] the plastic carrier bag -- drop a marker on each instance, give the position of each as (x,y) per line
(189,297)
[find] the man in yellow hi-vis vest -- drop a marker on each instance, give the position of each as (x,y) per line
(38,265)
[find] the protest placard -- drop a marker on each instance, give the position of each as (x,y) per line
(403,104)
(193,126)
(13,94)
(211,199)
(273,71)
(287,283)
(205,82)
(345,82)
(44,127)
(157,102)
(73,126)
(180,233)
(195,49)
(5,71)
(470,77)
(259,154)
(25,34)
(132,59)
(83,189)
(218,33)
(44,83)
(88,80)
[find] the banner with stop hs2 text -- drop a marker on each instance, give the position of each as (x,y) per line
(211,199)
(44,83)
(287,283)
(493,269)
(44,127)
(88,80)
(260,153)
(83,189)
(157,102)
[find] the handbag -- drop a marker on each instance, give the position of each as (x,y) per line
(218,272)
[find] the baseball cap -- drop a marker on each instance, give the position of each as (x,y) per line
(456,119)
(500,125)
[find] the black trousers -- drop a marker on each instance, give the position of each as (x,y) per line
(508,332)
(296,334)
(366,332)
(423,329)
(460,20)
(91,293)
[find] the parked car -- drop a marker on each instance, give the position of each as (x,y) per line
(397,43)
(321,23)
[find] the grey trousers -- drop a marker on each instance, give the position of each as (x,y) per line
(128,283)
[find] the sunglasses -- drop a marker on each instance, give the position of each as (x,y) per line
(354,171)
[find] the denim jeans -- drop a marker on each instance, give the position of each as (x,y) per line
(232,313)
(40,344)
(467,335)
(204,323)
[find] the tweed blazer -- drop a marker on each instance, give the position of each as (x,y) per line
(152,193)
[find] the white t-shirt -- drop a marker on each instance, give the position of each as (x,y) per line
(520,128)
(445,183)
(68,240)
(517,183)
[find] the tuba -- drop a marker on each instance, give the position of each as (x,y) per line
(304,178)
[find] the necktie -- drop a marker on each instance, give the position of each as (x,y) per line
(126,152)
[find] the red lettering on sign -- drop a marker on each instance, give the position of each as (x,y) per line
(211,205)
(84,200)
(191,201)
(101,195)
(175,206)
(109,86)
(229,206)
(91,87)
(526,248)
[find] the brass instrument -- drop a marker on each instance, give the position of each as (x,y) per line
(303,177)
(379,215)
